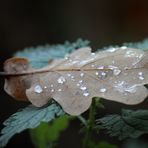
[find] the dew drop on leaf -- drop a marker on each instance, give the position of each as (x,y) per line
(85,93)
(38,89)
(102,90)
(61,80)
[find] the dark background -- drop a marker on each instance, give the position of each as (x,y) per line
(25,23)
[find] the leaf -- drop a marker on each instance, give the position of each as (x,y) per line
(140,45)
(118,75)
(104,144)
(28,118)
(47,133)
(40,56)
(129,124)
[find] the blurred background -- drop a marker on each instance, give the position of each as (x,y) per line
(25,23)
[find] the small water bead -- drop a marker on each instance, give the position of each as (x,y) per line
(97,73)
(123,47)
(102,90)
(38,89)
(81,81)
(93,54)
(72,78)
(51,85)
(59,89)
(85,93)
(69,75)
(61,80)
(52,90)
(112,49)
(45,87)
(123,87)
(83,87)
(82,74)
(116,71)
(141,77)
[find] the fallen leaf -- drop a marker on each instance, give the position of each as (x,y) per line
(117,74)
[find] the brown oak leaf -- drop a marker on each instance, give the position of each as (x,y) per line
(117,74)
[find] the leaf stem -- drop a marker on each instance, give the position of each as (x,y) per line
(90,124)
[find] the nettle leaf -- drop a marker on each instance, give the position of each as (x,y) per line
(118,75)
(41,55)
(129,124)
(45,134)
(28,118)
(140,45)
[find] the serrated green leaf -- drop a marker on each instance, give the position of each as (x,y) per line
(40,56)
(28,118)
(143,45)
(47,133)
(140,45)
(129,124)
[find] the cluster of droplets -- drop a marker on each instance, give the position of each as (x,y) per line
(82,87)
(124,87)
(141,76)
(104,71)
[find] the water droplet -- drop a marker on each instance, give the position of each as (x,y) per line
(112,49)
(72,77)
(45,87)
(69,75)
(82,74)
(93,54)
(116,71)
(141,77)
(78,84)
(123,47)
(61,80)
(85,93)
(102,90)
(102,74)
(52,90)
(59,89)
(51,85)
(140,73)
(83,88)
(97,73)
(123,87)
(80,81)
(38,89)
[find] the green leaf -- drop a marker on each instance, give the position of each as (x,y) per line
(28,118)
(143,45)
(104,144)
(129,124)
(47,133)
(140,45)
(40,56)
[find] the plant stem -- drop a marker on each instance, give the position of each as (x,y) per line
(90,123)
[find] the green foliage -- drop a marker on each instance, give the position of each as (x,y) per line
(48,133)
(143,45)
(104,144)
(29,117)
(140,45)
(39,56)
(129,124)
